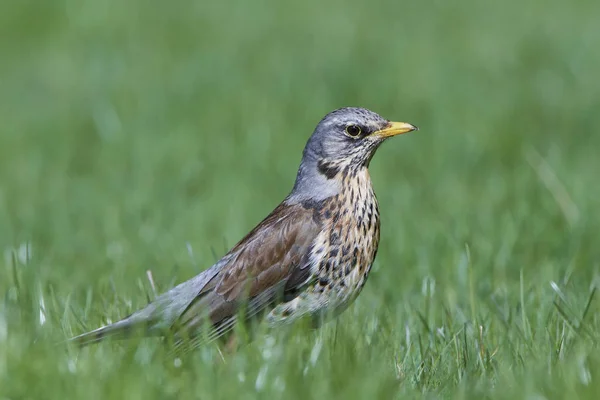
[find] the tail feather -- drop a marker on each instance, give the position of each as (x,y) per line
(157,317)
(119,330)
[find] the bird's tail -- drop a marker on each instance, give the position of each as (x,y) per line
(158,317)
(145,322)
(119,330)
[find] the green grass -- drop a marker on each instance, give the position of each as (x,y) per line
(131,132)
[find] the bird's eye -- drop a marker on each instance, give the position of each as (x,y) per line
(353,130)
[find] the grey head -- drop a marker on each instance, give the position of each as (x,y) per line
(345,139)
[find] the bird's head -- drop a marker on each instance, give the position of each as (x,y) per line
(350,136)
(344,140)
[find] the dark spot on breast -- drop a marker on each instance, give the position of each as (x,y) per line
(327,214)
(347,269)
(333,238)
(333,253)
(336,217)
(355,256)
(346,250)
(328,169)
(323,281)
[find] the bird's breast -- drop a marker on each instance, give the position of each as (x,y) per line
(344,251)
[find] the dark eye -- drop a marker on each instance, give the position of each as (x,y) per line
(353,130)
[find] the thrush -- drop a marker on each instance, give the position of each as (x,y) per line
(310,257)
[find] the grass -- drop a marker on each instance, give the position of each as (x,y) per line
(140,136)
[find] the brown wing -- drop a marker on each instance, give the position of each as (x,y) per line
(257,271)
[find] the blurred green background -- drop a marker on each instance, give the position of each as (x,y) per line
(150,136)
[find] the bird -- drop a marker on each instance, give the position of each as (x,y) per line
(309,258)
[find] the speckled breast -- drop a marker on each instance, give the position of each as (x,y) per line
(345,250)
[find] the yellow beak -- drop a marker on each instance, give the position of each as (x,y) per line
(395,128)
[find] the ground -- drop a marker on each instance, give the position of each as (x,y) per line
(140,139)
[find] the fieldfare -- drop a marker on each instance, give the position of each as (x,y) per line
(310,257)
